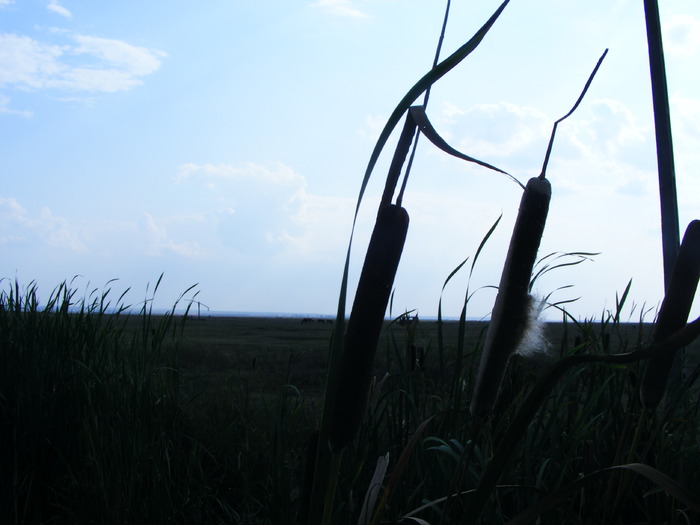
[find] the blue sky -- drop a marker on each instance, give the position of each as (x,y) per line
(223,143)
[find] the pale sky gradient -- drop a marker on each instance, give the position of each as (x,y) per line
(223,143)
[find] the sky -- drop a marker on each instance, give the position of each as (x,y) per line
(222,144)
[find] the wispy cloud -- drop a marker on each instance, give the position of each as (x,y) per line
(85,63)
(344,8)
(161,242)
(500,133)
(4,110)
(261,201)
(603,135)
(277,174)
(374,124)
(614,129)
(686,146)
(264,211)
(54,7)
(682,35)
(21,226)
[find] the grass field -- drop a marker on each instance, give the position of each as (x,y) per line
(142,418)
(271,373)
(265,353)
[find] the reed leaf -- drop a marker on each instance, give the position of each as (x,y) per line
(375,487)
(432,76)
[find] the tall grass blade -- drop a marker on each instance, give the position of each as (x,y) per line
(440,334)
(670,225)
(579,257)
(620,302)
(457,375)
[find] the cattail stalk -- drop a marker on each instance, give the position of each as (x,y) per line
(365,325)
(511,310)
(673,314)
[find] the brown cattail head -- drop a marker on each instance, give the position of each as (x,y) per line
(365,324)
(673,314)
(511,311)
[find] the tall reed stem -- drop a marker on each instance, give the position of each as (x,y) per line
(670,228)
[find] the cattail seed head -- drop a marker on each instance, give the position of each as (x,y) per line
(365,325)
(511,311)
(673,314)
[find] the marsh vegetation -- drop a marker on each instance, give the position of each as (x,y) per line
(113,416)
(132,418)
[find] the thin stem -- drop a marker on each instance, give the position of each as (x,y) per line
(399,199)
(437,50)
(580,98)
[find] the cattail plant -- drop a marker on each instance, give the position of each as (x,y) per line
(673,314)
(351,356)
(365,324)
(511,311)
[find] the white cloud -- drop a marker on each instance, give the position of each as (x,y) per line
(502,134)
(20,226)
(507,128)
(85,64)
(58,232)
(343,8)
(686,112)
(137,61)
(374,124)
(26,62)
(450,112)
(612,130)
(263,211)
(682,35)
(276,174)
(602,131)
(602,151)
(6,2)
(685,120)
(605,195)
(54,7)
(262,199)
(4,110)
(160,240)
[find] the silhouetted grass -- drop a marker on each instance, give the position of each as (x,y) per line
(105,419)
(91,425)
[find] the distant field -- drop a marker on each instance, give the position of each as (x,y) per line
(262,354)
